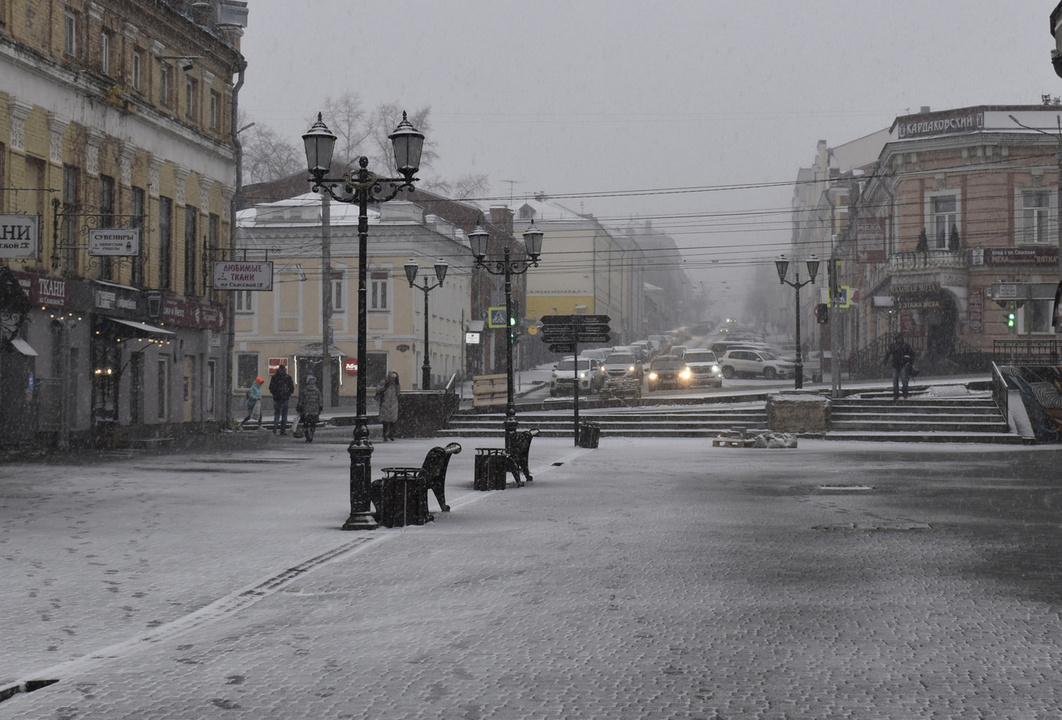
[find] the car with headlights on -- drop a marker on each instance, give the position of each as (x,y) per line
(668,371)
(623,365)
(705,370)
(589,371)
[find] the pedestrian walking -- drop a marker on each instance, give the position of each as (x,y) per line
(901,355)
(254,403)
(309,407)
(281,387)
(387,396)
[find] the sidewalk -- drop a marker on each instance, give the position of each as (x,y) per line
(645,579)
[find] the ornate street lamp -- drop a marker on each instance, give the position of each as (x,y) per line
(782,266)
(361,187)
(14,305)
(508,267)
(411,275)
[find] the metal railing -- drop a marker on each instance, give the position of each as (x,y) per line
(1000,392)
(1028,351)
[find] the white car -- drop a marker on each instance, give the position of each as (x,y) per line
(749,363)
(591,374)
(704,367)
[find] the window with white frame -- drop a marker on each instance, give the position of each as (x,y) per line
(215,102)
(1035,218)
(244,301)
(339,292)
(378,290)
(191,94)
(1035,317)
(943,216)
(165,70)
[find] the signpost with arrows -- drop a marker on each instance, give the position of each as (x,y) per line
(565,333)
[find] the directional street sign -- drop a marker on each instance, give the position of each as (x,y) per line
(571,319)
(593,339)
(562,347)
(597,328)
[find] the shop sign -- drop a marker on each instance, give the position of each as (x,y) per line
(44,291)
(350,366)
(1021,256)
(230,275)
(916,289)
(975,310)
(870,240)
(115,298)
(275,363)
(114,242)
(19,236)
(940,123)
(915,303)
(188,313)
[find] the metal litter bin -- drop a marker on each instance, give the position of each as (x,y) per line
(490,468)
(589,434)
(403,497)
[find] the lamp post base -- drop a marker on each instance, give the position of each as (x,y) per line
(798,376)
(360,476)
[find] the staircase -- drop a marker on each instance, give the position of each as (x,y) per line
(707,421)
(966,418)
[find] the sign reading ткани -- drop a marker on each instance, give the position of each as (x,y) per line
(231,275)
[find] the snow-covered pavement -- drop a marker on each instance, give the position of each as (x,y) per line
(643,579)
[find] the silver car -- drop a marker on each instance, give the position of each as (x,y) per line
(704,367)
(749,363)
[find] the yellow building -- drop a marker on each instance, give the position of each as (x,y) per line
(117,155)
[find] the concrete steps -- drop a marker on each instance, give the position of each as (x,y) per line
(919,419)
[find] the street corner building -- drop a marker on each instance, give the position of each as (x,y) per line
(118,177)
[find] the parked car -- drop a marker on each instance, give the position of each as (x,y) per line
(590,371)
(704,367)
(749,363)
(623,365)
(668,371)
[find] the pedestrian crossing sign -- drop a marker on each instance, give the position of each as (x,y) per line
(497,318)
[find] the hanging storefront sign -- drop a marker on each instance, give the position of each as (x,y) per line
(1021,256)
(975,310)
(19,236)
(870,240)
(230,275)
(114,242)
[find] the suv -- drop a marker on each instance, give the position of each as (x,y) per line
(704,367)
(623,365)
(668,371)
(747,363)
(591,376)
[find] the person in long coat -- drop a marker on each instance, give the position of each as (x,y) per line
(309,407)
(387,396)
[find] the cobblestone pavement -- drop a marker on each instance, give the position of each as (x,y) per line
(644,579)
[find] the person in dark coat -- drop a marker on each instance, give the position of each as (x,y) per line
(387,396)
(281,387)
(309,407)
(901,355)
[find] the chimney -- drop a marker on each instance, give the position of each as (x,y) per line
(502,217)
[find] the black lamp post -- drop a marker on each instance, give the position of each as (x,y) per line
(361,187)
(508,267)
(782,265)
(411,275)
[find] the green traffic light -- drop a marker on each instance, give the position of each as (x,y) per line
(1010,320)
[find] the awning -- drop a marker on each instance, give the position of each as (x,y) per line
(142,328)
(314,350)
(23,347)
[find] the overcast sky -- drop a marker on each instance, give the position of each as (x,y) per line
(594,97)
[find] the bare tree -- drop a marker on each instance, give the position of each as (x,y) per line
(346,118)
(463,188)
(266,156)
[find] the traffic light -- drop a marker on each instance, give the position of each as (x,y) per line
(1010,319)
(822,313)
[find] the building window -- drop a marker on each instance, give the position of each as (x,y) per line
(137,59)
(339,289)
(70,34)
(165,72)
(244,300)
(106,220)
(71,209)
(378,291)
(1035,218)
(137,222)
(165,240)
(191,90)
(943,217)
(164,383)
(105,53)
(215,101)
(189,250)
(246,369)
(1035,317)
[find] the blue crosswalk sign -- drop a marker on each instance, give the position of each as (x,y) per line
(498,318)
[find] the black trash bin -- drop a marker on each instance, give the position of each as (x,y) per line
(403,497)
(589,434)
(491,466)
